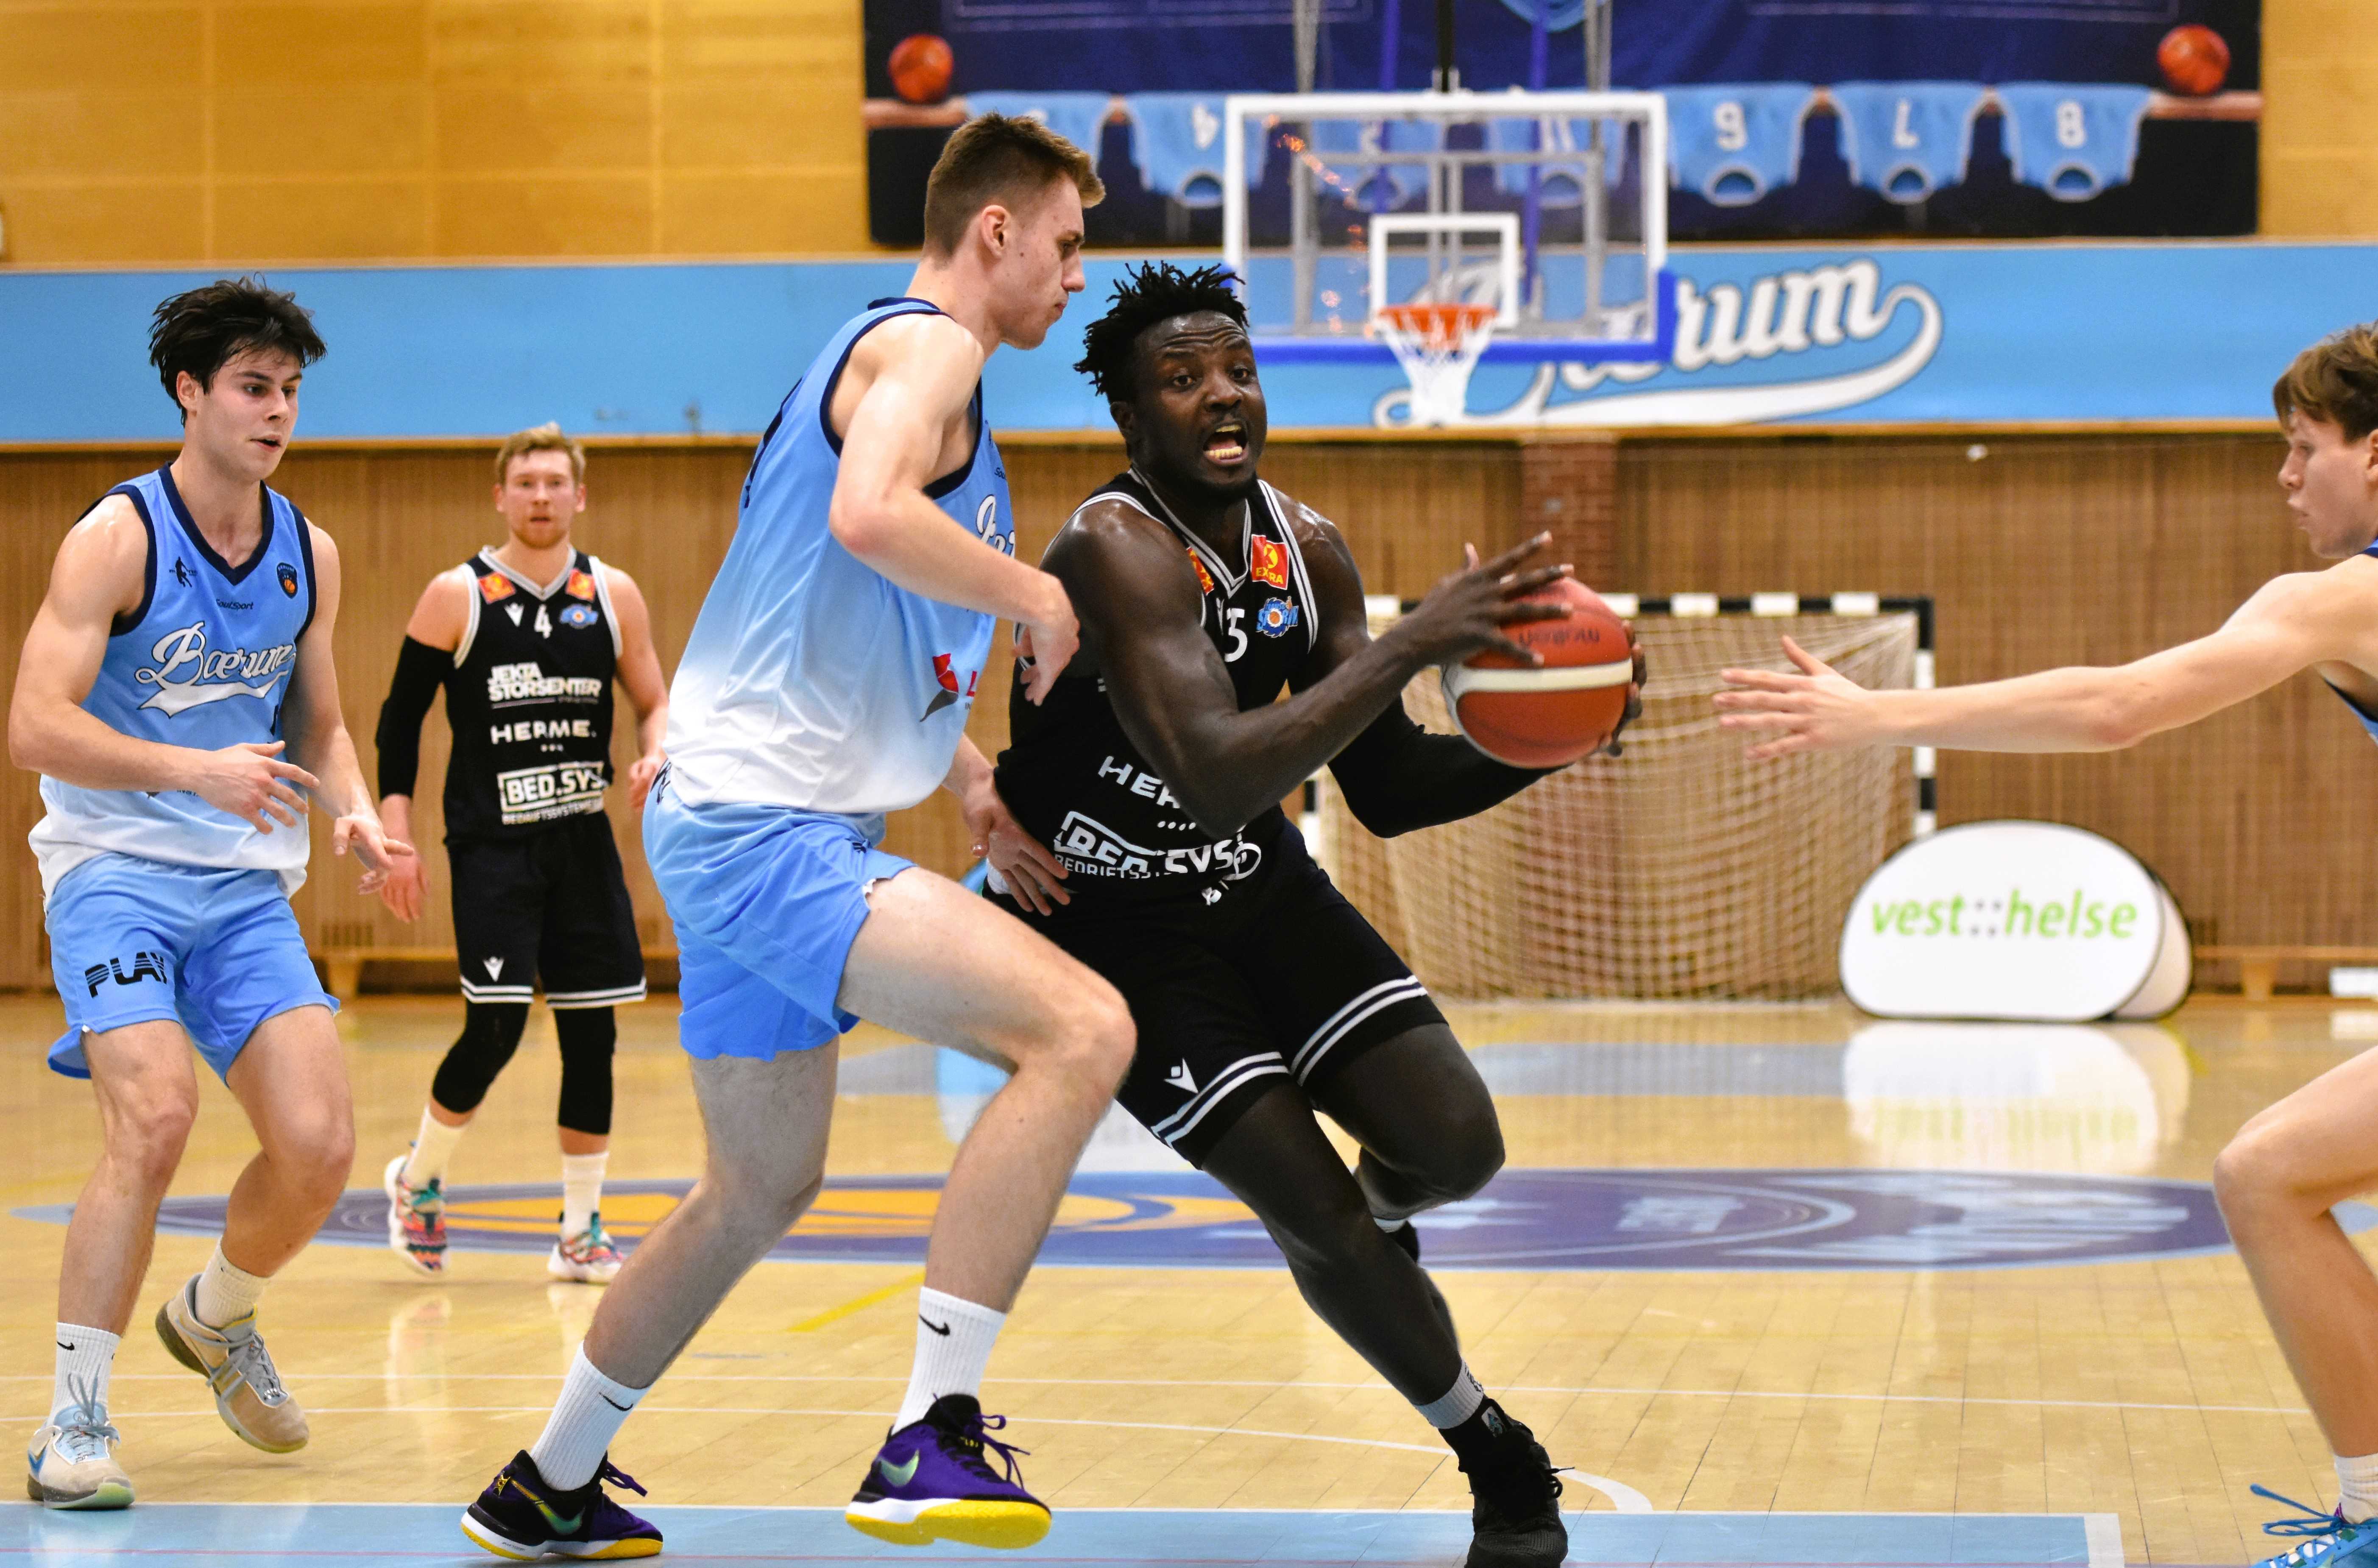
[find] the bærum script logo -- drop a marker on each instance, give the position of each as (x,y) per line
(1797,318)
(1722,1220)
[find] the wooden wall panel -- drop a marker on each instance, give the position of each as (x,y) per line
(2052,551)
(2046,550)
(403,128)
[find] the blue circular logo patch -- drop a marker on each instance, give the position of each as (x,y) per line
(1732,1220)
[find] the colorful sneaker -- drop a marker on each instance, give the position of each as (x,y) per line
(521,1517)
(232,1359)
(931,1481)
(416,1221)
(2328,1542)
(1515,1519)
(72,1462)
(588,1257)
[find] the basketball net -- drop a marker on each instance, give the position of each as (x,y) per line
(1437,343)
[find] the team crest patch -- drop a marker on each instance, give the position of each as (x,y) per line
(578,615)
(1205,578)
(494,587)
(580,586)
(288,575)
(1268,562)
(1277,617)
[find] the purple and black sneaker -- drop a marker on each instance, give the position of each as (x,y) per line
(523,1517)
(932,1481)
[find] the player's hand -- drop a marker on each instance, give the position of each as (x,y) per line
(252,782)
(1469,610)
(641,774)
(360,832)
(1024,864)
(405,888)
(1634,698)
(1816,710)
(1046,643)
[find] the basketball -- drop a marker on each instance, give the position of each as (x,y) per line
(920,67)
(2194,59)
(1550,715)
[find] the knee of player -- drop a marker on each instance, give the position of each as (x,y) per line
(149,1135)
(2251,1169)
(1470,1155)
(1101,1035)
(321,1152)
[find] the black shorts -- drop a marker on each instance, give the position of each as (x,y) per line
(551,906)
(1284,981)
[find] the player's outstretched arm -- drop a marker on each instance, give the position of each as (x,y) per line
(318,733)
(905,383)
(2291,623)
(640,674)
(423,661)
(1144,623)
(99,573)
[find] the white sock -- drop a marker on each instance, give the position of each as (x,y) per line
(226,1294)
(433,1147)
(86,1357)
(2357,1487)
(585,1420)
(1457,1404)
(1390,1226)
(954,1341)
(582,1192)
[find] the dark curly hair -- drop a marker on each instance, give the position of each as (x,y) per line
(199,330)
(1155,291)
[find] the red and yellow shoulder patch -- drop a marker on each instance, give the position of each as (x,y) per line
(1205,579)
(1267,560)
(494,586)
(580,586)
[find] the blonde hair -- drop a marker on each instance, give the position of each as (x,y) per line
(999,157)
(2334,382)
(545,438)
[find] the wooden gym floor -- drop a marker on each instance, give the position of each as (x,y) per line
(1782,1285)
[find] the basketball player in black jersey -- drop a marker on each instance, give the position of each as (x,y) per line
(526,640)
(1153,772)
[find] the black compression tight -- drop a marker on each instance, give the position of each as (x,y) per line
(491,1032)
(1429,1136)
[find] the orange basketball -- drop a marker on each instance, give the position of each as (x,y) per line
(920,67)
(1551,714)
(2194,59)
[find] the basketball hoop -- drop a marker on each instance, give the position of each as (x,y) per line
(1437,342)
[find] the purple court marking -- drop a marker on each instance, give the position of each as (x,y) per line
(1732,1220)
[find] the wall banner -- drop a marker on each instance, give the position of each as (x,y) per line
(1965,334)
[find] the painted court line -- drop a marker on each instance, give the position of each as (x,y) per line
(1285,1384)
(267,1534)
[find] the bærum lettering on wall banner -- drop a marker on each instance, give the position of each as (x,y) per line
(2016,921)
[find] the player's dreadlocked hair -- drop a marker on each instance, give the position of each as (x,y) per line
(1154,292)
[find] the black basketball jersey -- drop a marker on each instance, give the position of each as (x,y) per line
(530,699)
(1073,777)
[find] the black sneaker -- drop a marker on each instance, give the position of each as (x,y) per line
(1515,1520)
(521,1517)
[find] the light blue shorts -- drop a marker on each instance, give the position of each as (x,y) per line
(766,901)
(133,941)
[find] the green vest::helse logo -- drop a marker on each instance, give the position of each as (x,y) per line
(2018,912)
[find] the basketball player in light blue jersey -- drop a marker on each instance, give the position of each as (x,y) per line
(2280,1178)
(176,696)
(826,683)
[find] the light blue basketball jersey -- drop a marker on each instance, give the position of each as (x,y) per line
(205,661)
(1732,143)
(2069,140)
(810,680)
(1176,141)
(1906,139)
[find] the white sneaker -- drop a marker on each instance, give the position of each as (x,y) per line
(588,1257)
(72,1461)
